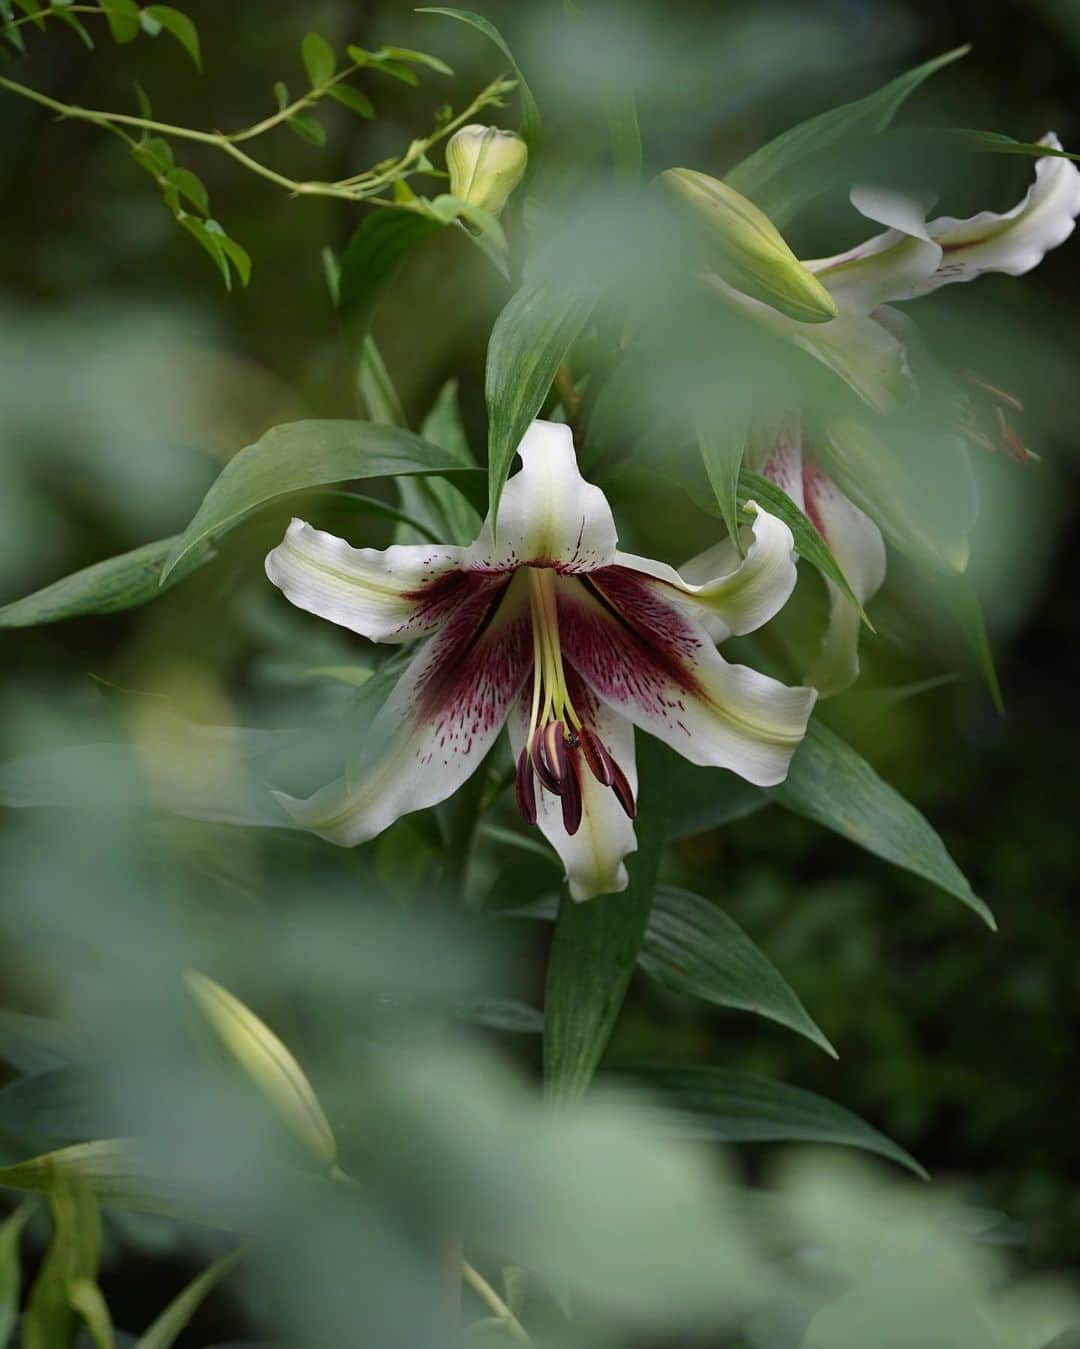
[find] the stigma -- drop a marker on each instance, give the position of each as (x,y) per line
(560,746)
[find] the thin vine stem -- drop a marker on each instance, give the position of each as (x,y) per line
(494,1302)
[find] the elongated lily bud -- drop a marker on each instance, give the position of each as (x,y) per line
(485,165)
(746,249)
(267,1062)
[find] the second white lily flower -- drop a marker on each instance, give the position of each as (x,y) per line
(544,625)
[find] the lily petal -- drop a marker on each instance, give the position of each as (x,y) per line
(728,594)
(856,543)
(1013,242)
(440,720)
(594,855)
(548,513)
(388,595)
(650,661)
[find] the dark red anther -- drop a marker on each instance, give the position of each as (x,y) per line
(600,762)
(571,799)
(525,787)
(540,764)
(554,738)
(623,793)
(996,393)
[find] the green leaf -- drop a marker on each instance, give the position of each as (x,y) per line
(771,176)
(531,127)
(722,448)
(174,1319)
(297,457)
(831,784)
(32,9)
(352,98)
(76,25)
(436,501)
(72,1258)
(210,242)
(595,947)
(693,947)
(962,601)
(10,1235)
(177,23)
(376,250)
(318,57)
(994,142)
(505,1014)
(376,389)
(32,1044)
(734,1107)
(110,1167)
(238,256)
(808,542)
(418,58)
(308,128)
(191,186)
(86,1298)
(121,582)
(123,19)
(528,342)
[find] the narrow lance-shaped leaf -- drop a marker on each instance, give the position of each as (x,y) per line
(722,448)
(297,457)
(766,175)
(10,1236)
(71,1260)
(377,248)
(734,1107)
(531,128)
(693,947)
(106,587)
(173,1321)
(528,343)
(595,947)
(830,783)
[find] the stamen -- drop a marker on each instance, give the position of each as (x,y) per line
(540,764)
(600,762)
(525,788)
(995,392)
(555,750)
(623,794)
(571,800)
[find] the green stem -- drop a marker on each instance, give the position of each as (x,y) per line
(493,1301)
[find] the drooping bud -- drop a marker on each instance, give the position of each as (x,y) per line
(746,249)
(485,165)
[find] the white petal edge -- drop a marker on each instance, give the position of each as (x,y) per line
(728,594)
(381,594)
(548,512)
(594,857)
(423,754)
(656,666)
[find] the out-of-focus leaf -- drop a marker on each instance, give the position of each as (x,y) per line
(52,1109)
(445,513)
(378,246)
(528,342)
(192,187)
(72,1258)
(962,600)
(531,127)
(76,25)
(122,17)
(625,133)
(996,143)
(318,57)
(596,945)
(378,396)
(177,23)
(209,241)
(107,587)
(770,176)
(693,947)
(10,1235)
(734,1107)
(32,1044)
(173,1321)
(112,1169)
(502,1014)
(830,783)
(352,98)
(297,457)
(808,542)
(268,1063)
(707,798)
(87,1299)
(418,58)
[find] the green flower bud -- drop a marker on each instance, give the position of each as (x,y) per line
(746,249)
(267,1062)
(485,165)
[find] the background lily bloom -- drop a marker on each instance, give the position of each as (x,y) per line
(544,625)
(869,346)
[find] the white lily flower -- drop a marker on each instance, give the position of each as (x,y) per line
(544,624)
(868,346)
(912,258)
